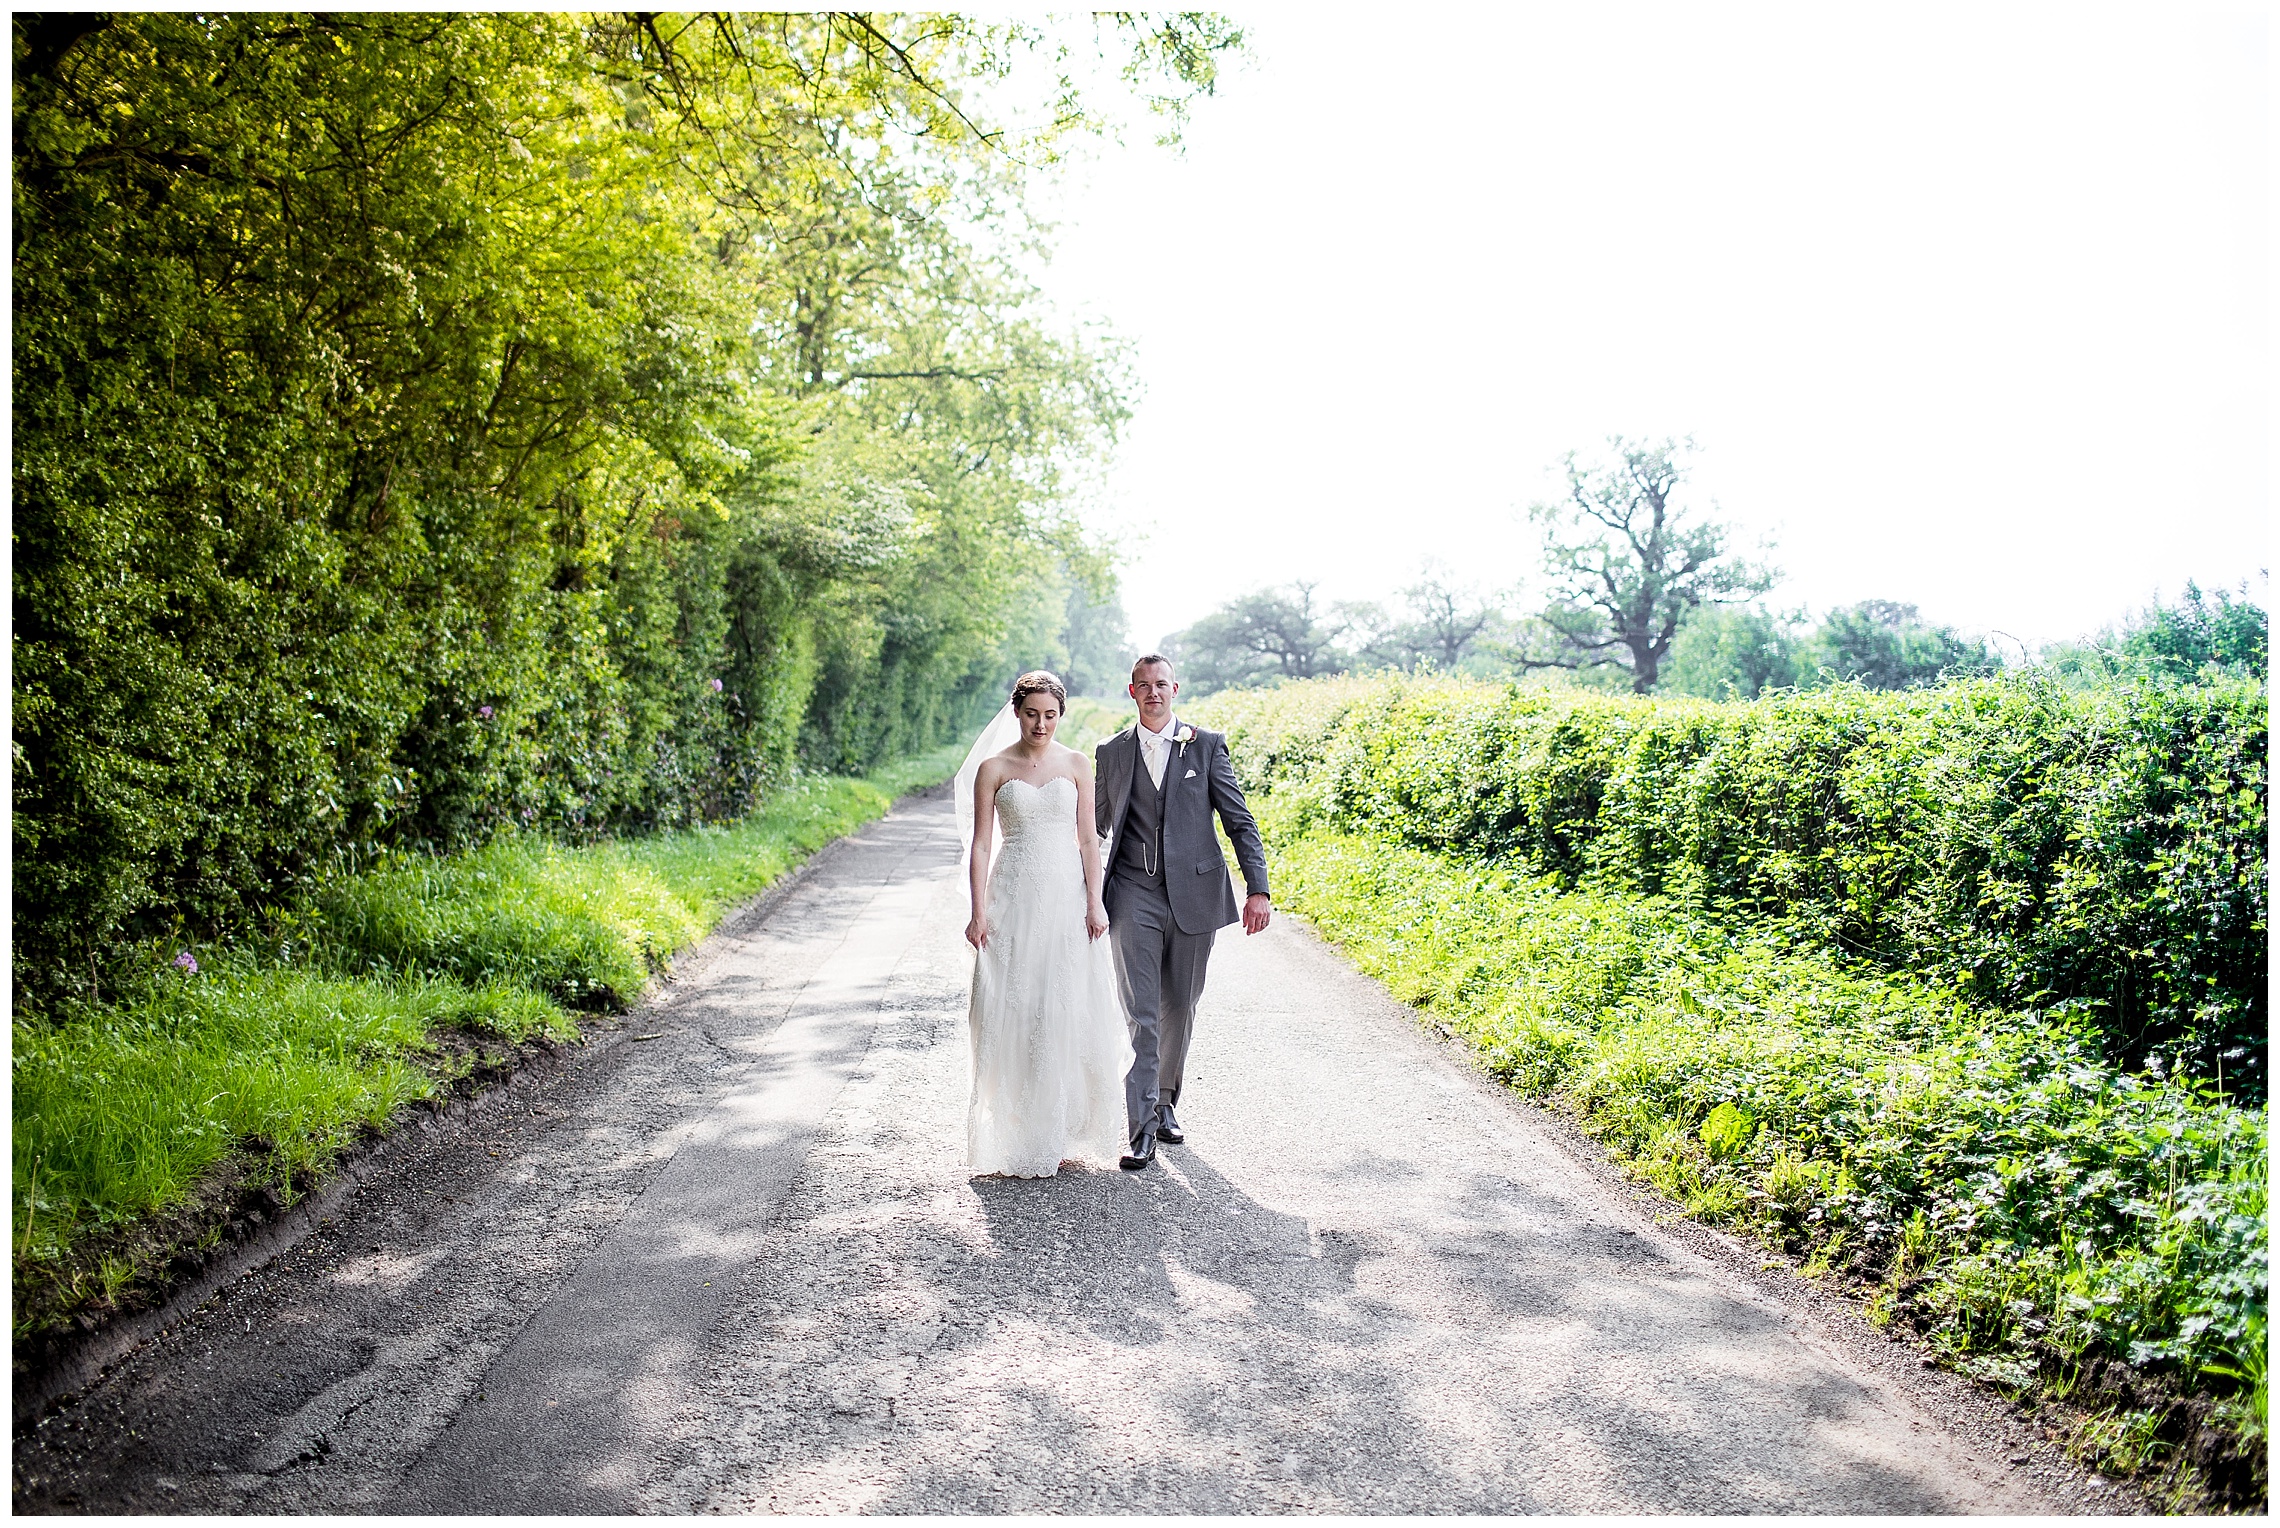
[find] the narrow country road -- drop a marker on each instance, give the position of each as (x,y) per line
(738,1267)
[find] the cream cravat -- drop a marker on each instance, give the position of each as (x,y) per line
(1155,748)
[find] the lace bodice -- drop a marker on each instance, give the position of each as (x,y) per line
(1039,823)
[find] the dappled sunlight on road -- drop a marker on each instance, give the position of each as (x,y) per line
(1361,1287)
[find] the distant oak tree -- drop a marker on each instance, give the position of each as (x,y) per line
(1627,563)
(1268,634)
(1446,623)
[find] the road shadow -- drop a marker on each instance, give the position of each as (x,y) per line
(1164,1341)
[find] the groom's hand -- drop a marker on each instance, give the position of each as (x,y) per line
(1256,910)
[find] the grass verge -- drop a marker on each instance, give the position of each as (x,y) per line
(587,926)
(147,1131)
(2078,1236)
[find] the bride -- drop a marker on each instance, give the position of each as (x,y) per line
(1049,1034)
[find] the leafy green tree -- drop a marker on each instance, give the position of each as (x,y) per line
(1096,643)
(1442,624)
(1888,646)
(1256,638)
(986,417)
(1725,652)
(2201,632)
(2202,635)
(1627,562)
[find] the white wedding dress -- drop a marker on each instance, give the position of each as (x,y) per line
(1050,1042)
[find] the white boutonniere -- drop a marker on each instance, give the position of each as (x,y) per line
(1183,737)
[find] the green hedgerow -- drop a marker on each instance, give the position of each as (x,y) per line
(2101,852)
(1854,1115)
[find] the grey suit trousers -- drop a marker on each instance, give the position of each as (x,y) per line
(1159,972)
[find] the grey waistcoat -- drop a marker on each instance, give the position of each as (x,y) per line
(1140,848)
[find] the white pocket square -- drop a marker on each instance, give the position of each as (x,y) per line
(1190,775)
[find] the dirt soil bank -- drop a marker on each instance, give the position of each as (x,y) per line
(739,1267)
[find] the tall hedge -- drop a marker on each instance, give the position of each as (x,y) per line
(408,441)
(2101,852)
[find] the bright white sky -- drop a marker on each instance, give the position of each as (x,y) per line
(1966,305)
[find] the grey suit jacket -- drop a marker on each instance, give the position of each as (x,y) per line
(1199,780)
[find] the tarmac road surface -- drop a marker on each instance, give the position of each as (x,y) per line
(740,1267)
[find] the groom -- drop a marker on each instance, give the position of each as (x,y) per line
(1156,786)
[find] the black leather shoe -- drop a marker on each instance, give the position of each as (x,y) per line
(1142,1153)
(1170,1134)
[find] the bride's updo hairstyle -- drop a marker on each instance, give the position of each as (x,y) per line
(1039,682)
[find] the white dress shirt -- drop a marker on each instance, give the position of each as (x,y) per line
(1156,747)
